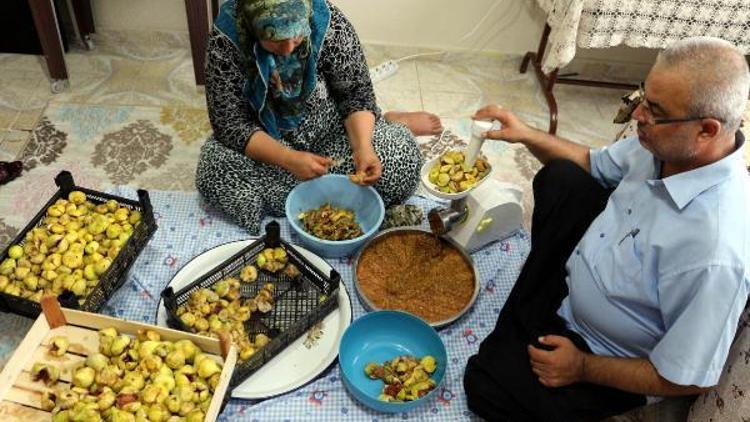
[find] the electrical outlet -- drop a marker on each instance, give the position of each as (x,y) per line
(383,71)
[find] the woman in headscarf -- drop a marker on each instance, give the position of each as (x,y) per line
(290,99)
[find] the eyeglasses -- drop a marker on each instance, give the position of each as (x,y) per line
(653,121)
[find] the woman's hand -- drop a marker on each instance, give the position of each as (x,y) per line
(368,165)
(306,165)
(359,128)
(513,129)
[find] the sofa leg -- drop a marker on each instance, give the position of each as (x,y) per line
(548,82)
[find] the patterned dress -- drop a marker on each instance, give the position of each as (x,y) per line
(247,189)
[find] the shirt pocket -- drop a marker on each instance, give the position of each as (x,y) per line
(619,270)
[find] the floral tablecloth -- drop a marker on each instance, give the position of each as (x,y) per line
(187,227)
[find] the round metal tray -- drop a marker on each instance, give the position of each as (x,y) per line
(369,306)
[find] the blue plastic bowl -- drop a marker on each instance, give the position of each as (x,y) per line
(381,336)
(339,191)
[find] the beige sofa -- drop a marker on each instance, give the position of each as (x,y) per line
(728,401)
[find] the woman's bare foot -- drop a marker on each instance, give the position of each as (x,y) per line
(420,123)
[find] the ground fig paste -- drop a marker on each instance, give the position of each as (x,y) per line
(417,273)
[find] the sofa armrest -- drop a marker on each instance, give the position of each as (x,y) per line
(730,400)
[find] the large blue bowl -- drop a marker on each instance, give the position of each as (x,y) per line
(340,192)
(381,336)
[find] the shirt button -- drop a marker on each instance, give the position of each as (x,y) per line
(630,211)
(601,234)
(578,251)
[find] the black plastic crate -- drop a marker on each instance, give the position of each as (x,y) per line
(114,277)
(298,304)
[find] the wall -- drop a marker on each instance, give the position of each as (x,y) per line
(504,26)
(510,26)
(166,15)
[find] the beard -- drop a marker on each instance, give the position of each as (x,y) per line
(673,149)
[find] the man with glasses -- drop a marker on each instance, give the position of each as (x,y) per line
(638,272)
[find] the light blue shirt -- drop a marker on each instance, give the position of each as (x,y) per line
(662,272)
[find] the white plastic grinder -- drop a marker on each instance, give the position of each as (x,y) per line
(488,211)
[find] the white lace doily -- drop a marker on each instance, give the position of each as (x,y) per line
(640,23)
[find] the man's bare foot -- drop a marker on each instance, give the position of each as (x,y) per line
(420,123)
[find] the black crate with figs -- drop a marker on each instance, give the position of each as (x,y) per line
(264,297)
(79,247)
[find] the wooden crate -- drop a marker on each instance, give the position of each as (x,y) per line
(20,396)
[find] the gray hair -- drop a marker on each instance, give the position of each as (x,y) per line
(718,75)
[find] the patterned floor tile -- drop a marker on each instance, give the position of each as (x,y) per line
(168,82)
(7,117)
(142,45)
(451,104)
(12,144)
(404,79)
(403,100)
(446,78)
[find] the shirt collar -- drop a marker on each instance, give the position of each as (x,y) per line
(684,187)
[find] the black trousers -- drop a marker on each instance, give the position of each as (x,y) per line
(499,383)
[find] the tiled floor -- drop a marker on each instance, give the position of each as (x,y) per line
(133,115)
(153,72)
(128,68)
(124,69)
(455,84)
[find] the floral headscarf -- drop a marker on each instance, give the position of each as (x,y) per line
(277,86)
(274,20)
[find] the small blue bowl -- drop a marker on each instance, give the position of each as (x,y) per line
(340,192)
(381,336)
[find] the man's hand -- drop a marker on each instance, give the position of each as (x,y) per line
(513,130)
(367,163)
(306,165)
(559,367)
